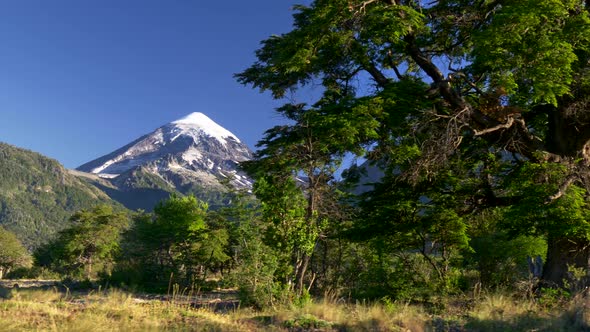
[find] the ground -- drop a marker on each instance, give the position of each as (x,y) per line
(53,306)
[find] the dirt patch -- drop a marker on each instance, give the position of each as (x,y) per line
(29,283)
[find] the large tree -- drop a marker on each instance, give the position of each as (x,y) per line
(504,84)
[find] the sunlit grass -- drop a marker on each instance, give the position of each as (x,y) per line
(50,310)
(325,315)
(106,311)
(113,310)
(503,312)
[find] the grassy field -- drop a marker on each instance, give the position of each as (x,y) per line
(113,310)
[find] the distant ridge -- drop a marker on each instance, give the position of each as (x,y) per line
(38,195)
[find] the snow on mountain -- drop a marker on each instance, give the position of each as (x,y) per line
(191,150)
(198,123)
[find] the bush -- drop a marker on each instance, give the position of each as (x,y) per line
(306,322)
(501,260)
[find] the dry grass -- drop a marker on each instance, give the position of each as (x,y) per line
(106,311)
(50,310)
(500,312)
(492,312)
(38,310)
(330,316)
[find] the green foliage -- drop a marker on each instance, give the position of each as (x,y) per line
(255,271)
(254,263)
(551,298)
(568,216)
(164,240)
(178,218)
(502,261)
(177,243)
(293,173)
(12,253)
(306,322)
(328,41)
(472,110)
(530,46)
(87,248)
(414,230)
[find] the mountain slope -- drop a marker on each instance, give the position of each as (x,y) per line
(38,195)
(190,155)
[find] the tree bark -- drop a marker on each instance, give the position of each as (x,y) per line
(566,136)
(300,275)
(568,139)
(563,253)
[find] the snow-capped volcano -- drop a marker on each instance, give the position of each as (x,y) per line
(190,151)
(201,124)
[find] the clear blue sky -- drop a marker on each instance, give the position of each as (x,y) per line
(80,78)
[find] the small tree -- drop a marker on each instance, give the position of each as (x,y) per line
(253,263)
(176,241)
(93,240)
(12,253)
(294,172)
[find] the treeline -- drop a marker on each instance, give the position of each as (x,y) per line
(180,242)
(276,251)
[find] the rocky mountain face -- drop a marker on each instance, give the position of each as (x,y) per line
(191,155)
(38,195)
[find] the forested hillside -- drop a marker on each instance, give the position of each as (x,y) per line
(38,196)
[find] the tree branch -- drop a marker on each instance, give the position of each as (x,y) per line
(506,125)
(368,65)
(393,66)
(362,6)
(377,75)
(426,64)
(562,189)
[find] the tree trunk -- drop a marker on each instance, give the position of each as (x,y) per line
(300,274)
(567,138)
(562,254)
(89,273)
